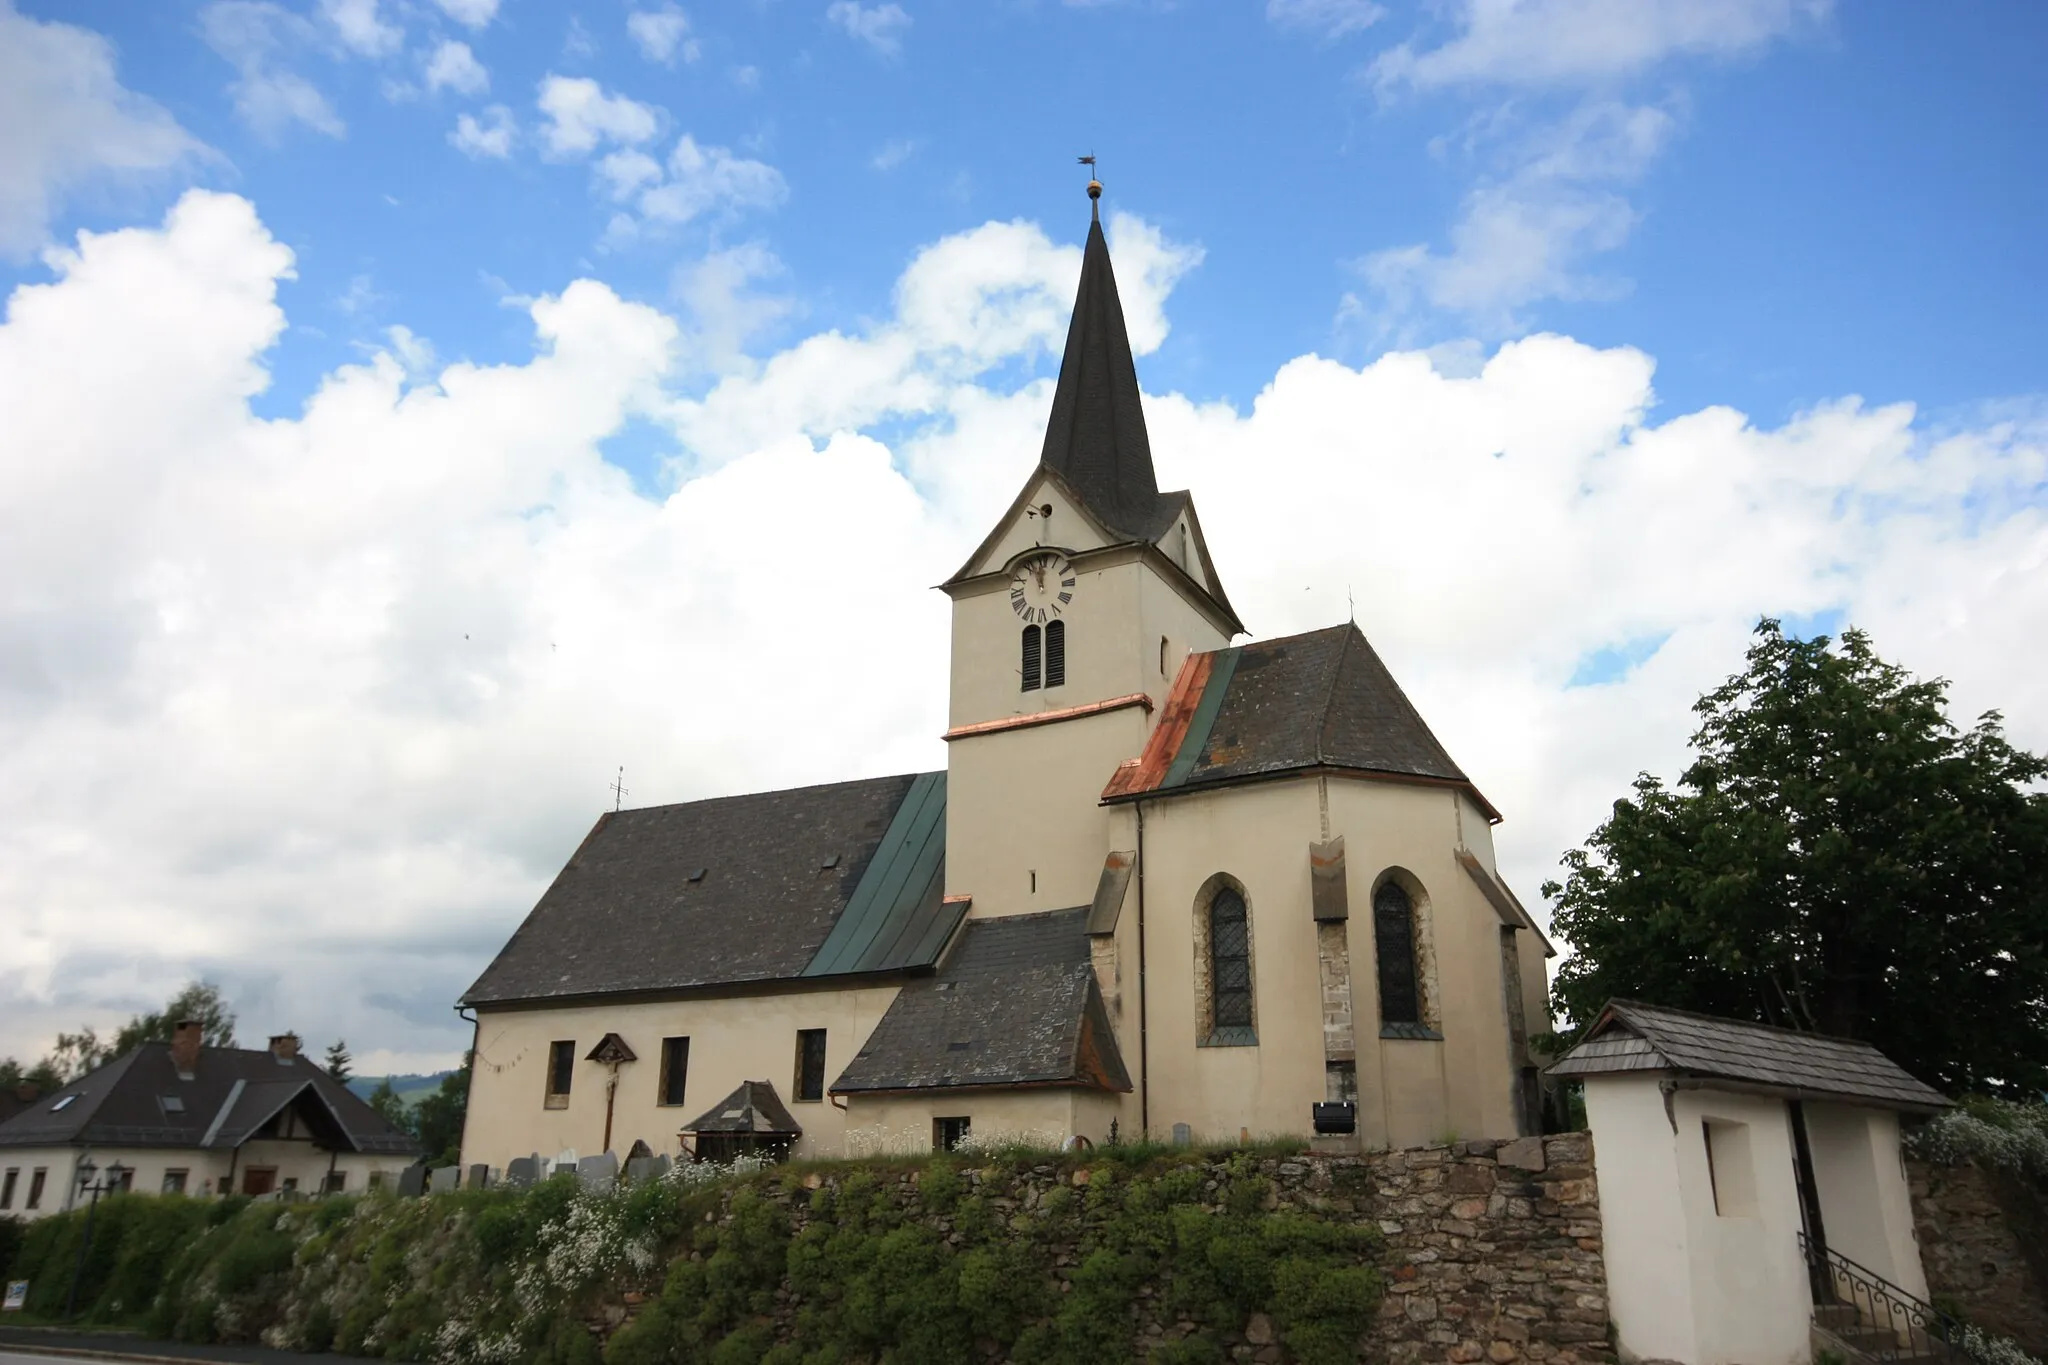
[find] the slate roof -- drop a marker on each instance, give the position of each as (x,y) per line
(1015,1004)
(753,1108)
(1629,1036)
(740,889)
(1319,700)
(233,1092)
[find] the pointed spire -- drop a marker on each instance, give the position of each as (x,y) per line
(1096,435)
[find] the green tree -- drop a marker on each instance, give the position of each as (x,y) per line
(200,1000)
(437,1119)
(390,1107)
(338,1060)
(1838,858)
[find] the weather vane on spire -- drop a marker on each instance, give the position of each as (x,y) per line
(1094,182)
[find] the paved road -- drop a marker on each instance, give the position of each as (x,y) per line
(32,1347)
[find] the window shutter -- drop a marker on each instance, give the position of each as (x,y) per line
(1056,654)
(1031,658)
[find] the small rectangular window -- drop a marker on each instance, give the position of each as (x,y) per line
(561,1071)
(810,1064)
(172,1104)
(124,1182)
(174,1181)
(36,1180)
(7,1187)
(291,1184)
(947,1132)
(675,1069)
(334,1183)
(1731,1177)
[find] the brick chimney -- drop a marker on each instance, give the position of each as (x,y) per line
(185,1047)
(285,1047)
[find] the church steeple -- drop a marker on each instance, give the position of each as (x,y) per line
(1096,437)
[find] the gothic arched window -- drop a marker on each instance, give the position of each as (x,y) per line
(1056,654)
(1393,927)
(1031,648)
(1230,961)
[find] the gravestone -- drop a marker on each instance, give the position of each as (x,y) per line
(1182,1135)
(599,1173)
(479,1177)
(641,1168)
(412,1181)
(522,1171)
(446,1179)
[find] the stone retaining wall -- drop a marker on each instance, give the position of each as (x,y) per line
(1975,1234)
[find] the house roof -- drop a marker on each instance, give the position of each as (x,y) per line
(1016,1004)
(1319,700)
(1632,1037)
(139,1100)
(753,1108)
(846,878)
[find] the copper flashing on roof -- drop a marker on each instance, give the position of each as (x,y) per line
(1145,772)
(1093,708)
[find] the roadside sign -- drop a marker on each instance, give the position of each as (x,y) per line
(17,1296)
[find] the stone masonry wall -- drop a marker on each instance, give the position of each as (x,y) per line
(1493,1252)
(1490,1252)
(1976,1233)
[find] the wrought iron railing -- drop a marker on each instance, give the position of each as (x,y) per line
(1890,1324)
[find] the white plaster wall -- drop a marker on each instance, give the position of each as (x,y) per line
(903,1123)
(206,1170)
(732,1039)
(1749,1284)
(1644,1228)
(1864,1200)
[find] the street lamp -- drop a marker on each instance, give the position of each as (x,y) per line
(110,1181)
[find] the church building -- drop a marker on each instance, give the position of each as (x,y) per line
(1167,885)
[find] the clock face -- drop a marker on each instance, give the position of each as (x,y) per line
(1041,587)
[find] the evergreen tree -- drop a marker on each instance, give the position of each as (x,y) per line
(437,1119)
(338,1061)
(1838,858)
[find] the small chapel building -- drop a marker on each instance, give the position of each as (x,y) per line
(1166,886)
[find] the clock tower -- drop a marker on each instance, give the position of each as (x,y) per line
(1070,622)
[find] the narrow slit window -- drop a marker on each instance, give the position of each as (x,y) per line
(1230,961)
(7,1187)
(675,1069)
(1031,653)
(1393,922)
(810,1064)
(1162,656)
(561,1072)
(1056,654)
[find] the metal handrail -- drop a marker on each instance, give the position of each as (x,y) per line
(1914,1326)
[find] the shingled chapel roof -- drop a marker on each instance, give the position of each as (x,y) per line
(1319,700)
(1632,1037)
(1015,1004)
(842,879)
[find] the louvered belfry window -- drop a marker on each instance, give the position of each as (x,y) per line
(1393,924)
(1230,960)
(1031,651)
(1056,654)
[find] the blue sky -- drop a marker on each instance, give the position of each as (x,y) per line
(417,409)
(1848,204)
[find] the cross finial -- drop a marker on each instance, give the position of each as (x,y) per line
(618,788)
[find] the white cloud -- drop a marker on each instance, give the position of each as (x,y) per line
(1526,236)
(701,179)
(255,36)
(68,125)
(1326,18)
(726,311)
(892,154)
(879,26)
(660,34)
(1574,42)
(362,28)
(474,13)
(488,137)
(580,115)
(428,584)
(454,67)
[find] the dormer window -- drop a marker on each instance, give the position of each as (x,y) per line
(1034,640)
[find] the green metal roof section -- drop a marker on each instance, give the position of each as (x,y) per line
(898,915)
(1204,720)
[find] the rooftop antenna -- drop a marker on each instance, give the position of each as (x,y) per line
(1094,187)
(618,788)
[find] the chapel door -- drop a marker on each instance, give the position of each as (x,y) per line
(259,1180)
